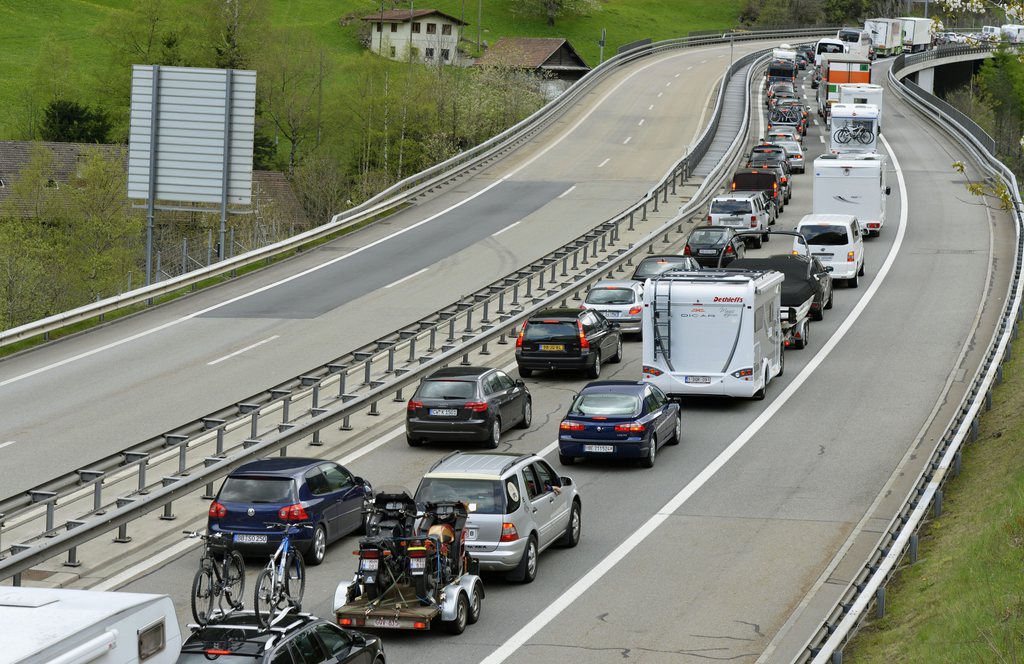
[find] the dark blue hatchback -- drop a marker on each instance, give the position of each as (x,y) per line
(289,489)
(618,419)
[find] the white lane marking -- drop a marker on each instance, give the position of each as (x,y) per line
(601,165)
(668,84)
(242,350)
(631,541)
(703,61)
(566,192)
(677,75)
(550,146)
(659,94)
(641,123)
(821,138)
(7,444)
(651,107)
(628,139)
(689,68)
(722,55)
(419,272)
(495,234)
(760,112)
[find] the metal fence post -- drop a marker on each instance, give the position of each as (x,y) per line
(141,458)
(209,493)
(50,498)
(168,515)
(96,478)
(122,531)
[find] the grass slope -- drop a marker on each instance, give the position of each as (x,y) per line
(964,600)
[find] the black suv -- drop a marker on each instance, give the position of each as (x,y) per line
(579,339)
(295,639)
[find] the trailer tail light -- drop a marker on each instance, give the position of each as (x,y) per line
(419,625)
(652,371)
(584,344)
(687,251)
(294,512)
(217,511)
(633,311)
(509,532)
(519,339)
(413,405)
(217,651)
(743,373)
(345,622)
(850,256)
(476,406)
(367,553)
(568,425)
(873,225)
(630,428)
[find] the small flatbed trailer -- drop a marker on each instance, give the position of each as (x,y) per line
(455,605)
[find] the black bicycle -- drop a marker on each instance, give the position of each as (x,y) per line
(858,133)
(220,578)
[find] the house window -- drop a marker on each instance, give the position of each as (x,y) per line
(416,28)
(392,51)
(446,29)
(428,54)
(394,27)
(445,54)
(379,27)
(431,28)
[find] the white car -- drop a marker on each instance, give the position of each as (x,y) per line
(795,152)
(619,300)
(837,241)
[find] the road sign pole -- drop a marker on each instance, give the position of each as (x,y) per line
(151,197)
(227,163)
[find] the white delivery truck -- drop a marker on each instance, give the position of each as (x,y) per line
(862,93)
(917,34)
(713,333)
(990,33)
(886,35)
(51,626)
(827,45)
(852,184)
(854,129)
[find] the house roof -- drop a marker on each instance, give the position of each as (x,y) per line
(404,15)
(534,53)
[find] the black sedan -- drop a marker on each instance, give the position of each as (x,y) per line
(804,275)
(618,419)
(652,266)
(474,404)
(714,246)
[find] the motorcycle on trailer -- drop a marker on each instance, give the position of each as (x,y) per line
(382,559)
(439,557)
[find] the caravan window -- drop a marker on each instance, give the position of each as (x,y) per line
(758,319)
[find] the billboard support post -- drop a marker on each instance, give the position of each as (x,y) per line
(151,198)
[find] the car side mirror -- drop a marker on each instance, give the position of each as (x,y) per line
(566,481)
(359,480)
(888,190)
(829,268)
(358,639)
(520,382)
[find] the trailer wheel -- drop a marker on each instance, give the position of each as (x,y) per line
(475,604)
(458,626)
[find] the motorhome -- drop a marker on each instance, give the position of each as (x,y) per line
(837,69)
(858,42)
(853,129)
(46,625)
(1012,33)
(862,93)
(713,333)
(990,33)
(917,34)
(854,185)
(886,35)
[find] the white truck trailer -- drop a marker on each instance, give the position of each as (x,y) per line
(713,333)
(852,184)
(862,93)
(58,626)
(886,35)
(917,34)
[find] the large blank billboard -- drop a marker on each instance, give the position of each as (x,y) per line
(189,147)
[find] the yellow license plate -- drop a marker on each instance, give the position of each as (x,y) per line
(552,346)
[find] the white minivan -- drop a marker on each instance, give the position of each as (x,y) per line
(837,241)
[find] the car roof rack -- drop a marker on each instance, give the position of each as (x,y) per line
(445,458)
(518,459)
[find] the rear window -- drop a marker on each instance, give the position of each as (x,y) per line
(826,235)
(482,496)
(256,490)
(447,389)
(781,70)
(730,207)
(708,236)
(605,404)
(753,181)
(538,331)
(849,36)
(652,267)
(611,296)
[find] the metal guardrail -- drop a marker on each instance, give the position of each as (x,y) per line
(398,194)
(193,476)
(900,538)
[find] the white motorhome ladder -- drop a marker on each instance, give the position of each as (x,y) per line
(662,318)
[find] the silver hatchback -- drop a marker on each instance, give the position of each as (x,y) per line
(518,507)
(620,300)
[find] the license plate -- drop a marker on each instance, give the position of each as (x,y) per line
(251,539)
(368,564)
(417,563)
(707,252)
(391,623)
(443,412)
(552,346)
(824,255)
(611,314)
(699,380)
(598,448)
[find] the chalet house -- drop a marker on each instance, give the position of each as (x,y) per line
(551,57)
(424,35)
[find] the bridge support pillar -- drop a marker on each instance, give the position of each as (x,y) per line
(926,80)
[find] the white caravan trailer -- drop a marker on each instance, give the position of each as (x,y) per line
(886,35)
(713,333)
(852,184)
(1012,33)
(854,129)
(862,93)
(50,626)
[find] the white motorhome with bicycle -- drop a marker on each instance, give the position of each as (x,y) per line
(854,129)
(52,625)
(713,333)
(854,185)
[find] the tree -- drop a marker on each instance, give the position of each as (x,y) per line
(70,122)
(232,32)
(552,9)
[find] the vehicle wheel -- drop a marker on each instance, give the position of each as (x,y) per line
(525,373)
(648,461)
(566,460)
(413,442)
(757,241)
(526,571)
(234,585)
(860,272)
(831,295)
(852,282)
(202,595)
(761,393)
(595,371)
(495,437)
(801,343)
(318,547)
(295,579)
(527,415)
(263,602)
(458,626)
(677,435)
(573,530)
(782,360)
(618,352)
(475,605)
(818,314)
(766,238)
(425,586)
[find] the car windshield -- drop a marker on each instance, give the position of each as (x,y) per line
(826,235)
(481,496)
(730,207)
(547,330)
(709,236)
(605,404)
(610,295)
(793,148)
(652,267)
(256,490)
(447,389)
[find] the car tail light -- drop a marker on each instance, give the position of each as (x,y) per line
(872,225)
(413,405)
(753,221)
(729,250)
(417,552)
(368,553)
(509,532)
(630,428)
(743,373)
(294,512)
(217,651)
(849,257)
(217,511)
(476,406)
(568,425)
(734,186)
(519,339)
(687,251)
(783,179)
(584,344)
(709,220)
(633,311)
(652,371)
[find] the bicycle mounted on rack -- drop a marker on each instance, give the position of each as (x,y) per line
(221,575)
(282,582)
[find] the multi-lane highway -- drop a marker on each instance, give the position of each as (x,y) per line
(725,548)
